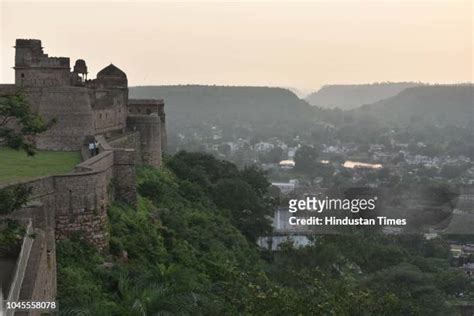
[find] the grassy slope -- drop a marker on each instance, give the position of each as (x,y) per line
(17,165)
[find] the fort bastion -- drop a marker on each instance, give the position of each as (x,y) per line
(129,132)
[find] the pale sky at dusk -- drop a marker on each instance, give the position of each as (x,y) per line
(302,45)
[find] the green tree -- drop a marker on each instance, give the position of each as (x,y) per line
(250,214)
(187,254)
(257,178)
(18,124)
(152,296)
(274,155)
(13,197)
(306,162)
(415,290)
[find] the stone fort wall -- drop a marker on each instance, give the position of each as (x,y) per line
(78,201)
(83,108)
(74,203)
(152,107)
(149,128)
(79,112)
(29,57)
(72,109)
(129,132)
(109,108)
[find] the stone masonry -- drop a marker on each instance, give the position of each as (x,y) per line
(129,132)
(82,107)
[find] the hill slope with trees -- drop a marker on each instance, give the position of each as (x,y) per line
(439,105)
(251,110)
(350,96)
(189,249)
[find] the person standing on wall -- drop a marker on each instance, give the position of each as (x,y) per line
(96,145)
(92,148)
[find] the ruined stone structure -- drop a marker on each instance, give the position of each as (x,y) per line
(129,132)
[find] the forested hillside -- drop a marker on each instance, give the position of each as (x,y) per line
(443,105)
(350,96)
(237,109)
(189,249)
(241,103)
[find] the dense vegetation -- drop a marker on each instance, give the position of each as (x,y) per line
(440,116)
(444,105)
(245,112)
(244,104)
(189,248)
(18,123)
(350,96)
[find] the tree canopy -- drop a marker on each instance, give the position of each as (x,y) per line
(188,248)
(18,124)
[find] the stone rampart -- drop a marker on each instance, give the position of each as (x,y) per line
(39,282)
(129,140)
(149,127)
(20,268)
(71,107)
(82,198)
(76,203)
(151,107)
(73,203)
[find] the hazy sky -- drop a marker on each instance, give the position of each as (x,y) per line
(302,45)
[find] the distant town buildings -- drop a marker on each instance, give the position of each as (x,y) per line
(287,164)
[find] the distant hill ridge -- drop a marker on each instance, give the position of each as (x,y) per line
(238,102)
(428,105)
(350,96)
(275,109)
(253,108)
